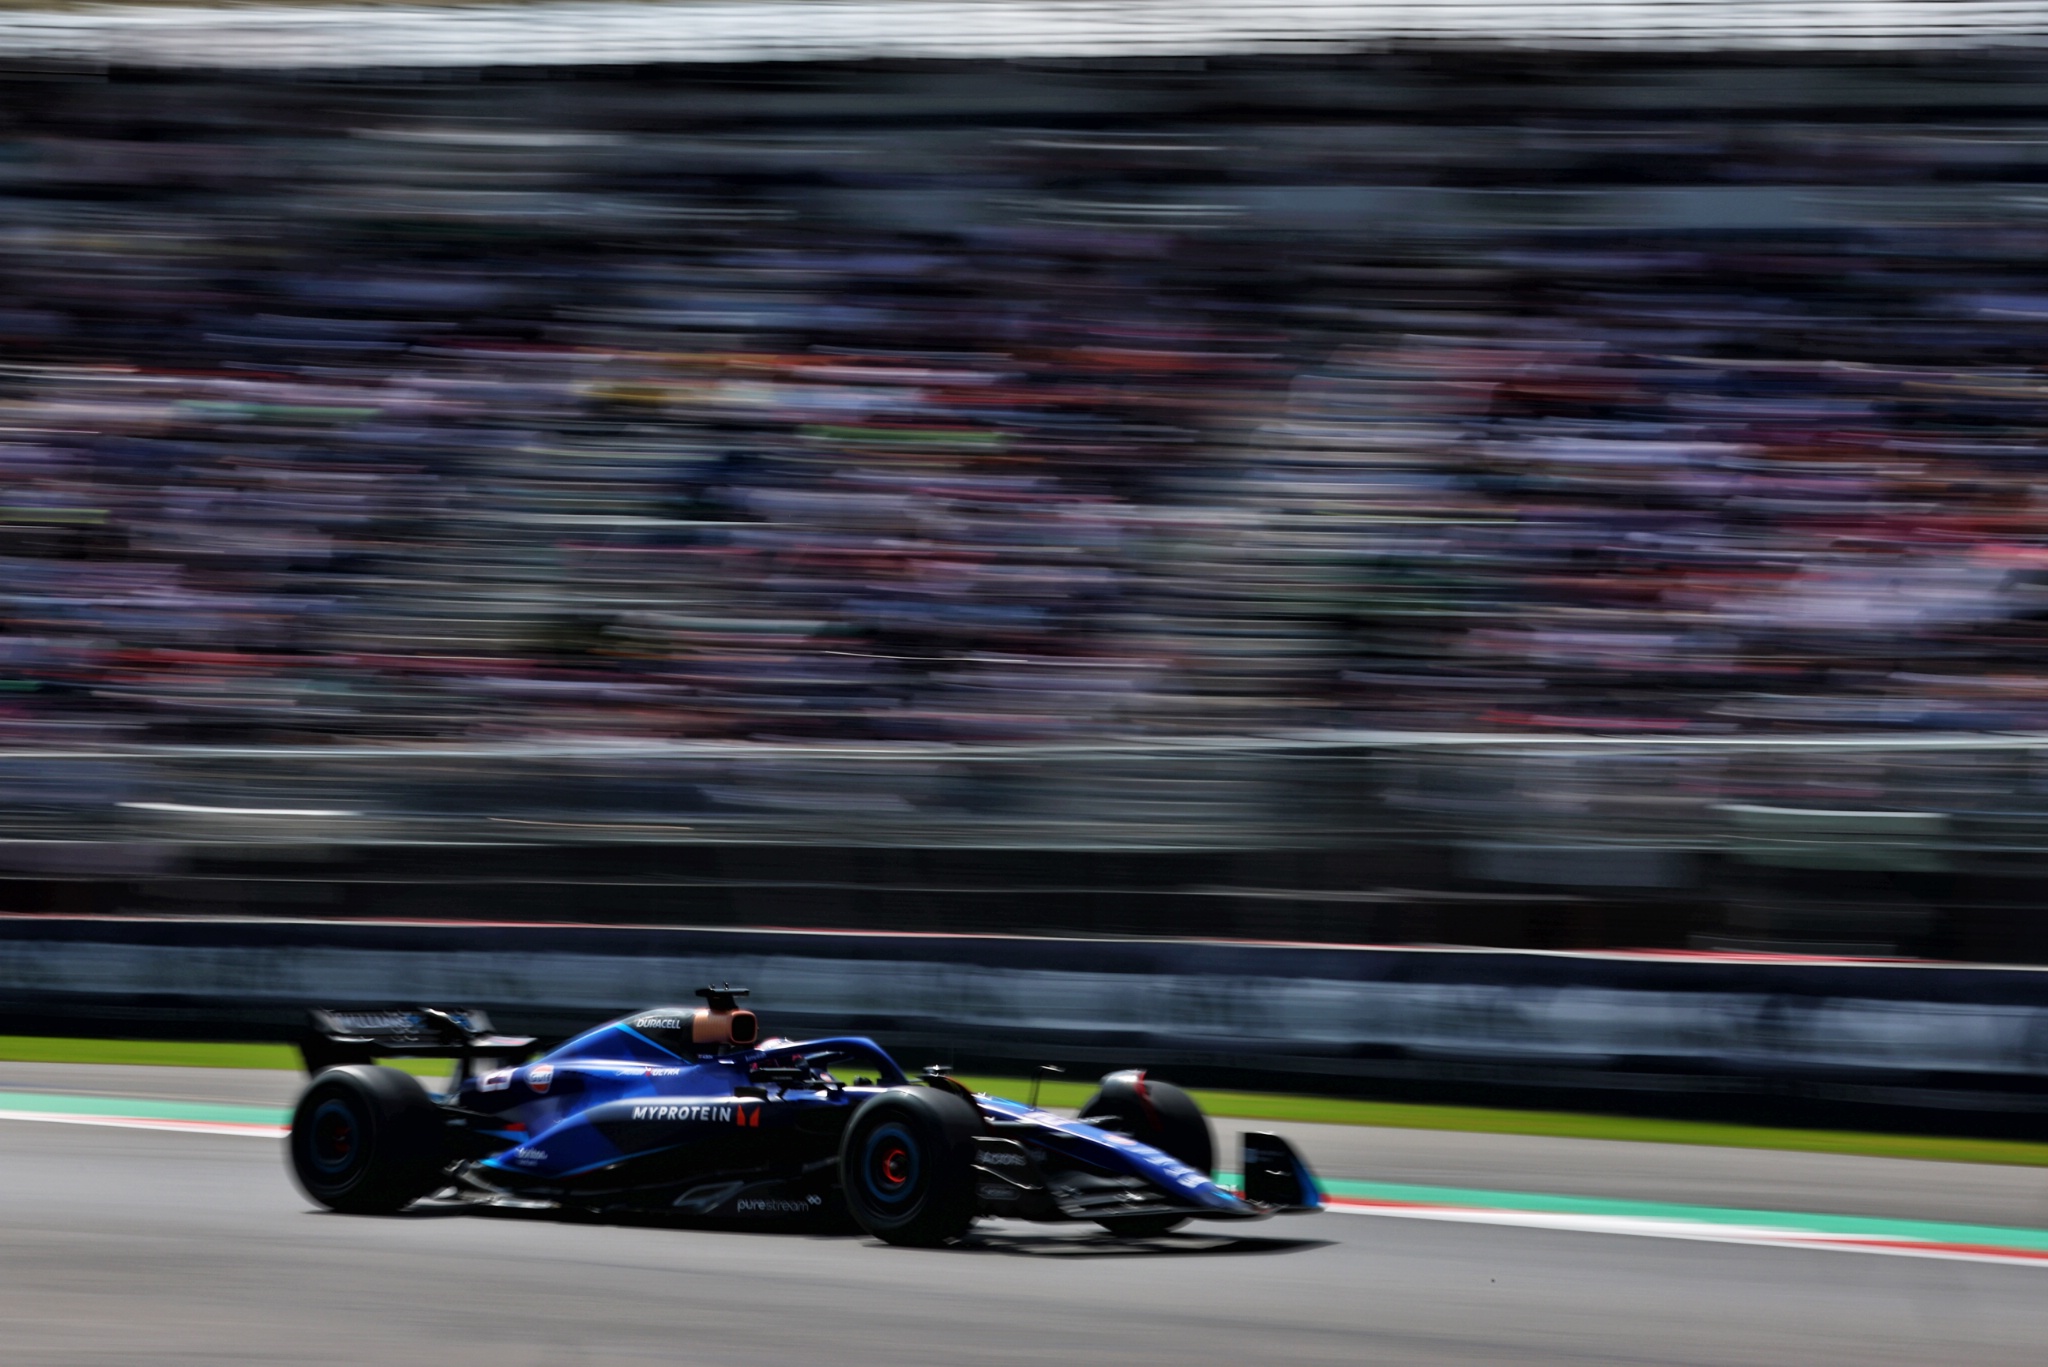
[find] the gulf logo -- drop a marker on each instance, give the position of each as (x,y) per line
(541,1077)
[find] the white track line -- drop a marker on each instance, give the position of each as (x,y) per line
(1653,1227)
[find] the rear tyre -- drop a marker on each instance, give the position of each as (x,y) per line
(906,1164)
(366,1140)
(1162,1115)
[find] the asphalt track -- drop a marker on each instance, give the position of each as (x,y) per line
(134,1246)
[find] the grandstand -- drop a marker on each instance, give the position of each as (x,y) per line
(857,451)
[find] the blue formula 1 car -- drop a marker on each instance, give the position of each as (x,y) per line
(686,1113)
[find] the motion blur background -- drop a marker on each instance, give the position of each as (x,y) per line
(1465,484)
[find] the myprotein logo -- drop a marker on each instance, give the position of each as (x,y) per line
(691,1112)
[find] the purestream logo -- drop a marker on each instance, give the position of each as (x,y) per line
(777,1205)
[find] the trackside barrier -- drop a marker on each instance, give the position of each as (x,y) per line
(1962,801)
(1788,1039)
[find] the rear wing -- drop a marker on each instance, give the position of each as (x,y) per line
(339,1037)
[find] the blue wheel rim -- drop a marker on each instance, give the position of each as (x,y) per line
(336,1137)
(891,1160)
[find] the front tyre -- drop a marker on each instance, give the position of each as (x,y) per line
(1163,1116)
(366,1140)
(906,1164)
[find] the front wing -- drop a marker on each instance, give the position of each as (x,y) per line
(1010,1180)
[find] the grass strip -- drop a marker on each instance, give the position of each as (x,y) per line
(1322,1110)
(157,1053)
(146,1052)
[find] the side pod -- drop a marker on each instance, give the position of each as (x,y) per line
(1276,1177)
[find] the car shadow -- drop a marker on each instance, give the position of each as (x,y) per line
(1007,1243)
(1010,1244)
(809,1228)
(425,1210)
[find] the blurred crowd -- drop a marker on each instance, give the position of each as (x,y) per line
(551,409)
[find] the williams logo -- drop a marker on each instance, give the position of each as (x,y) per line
(686,1112)
(375,1022)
